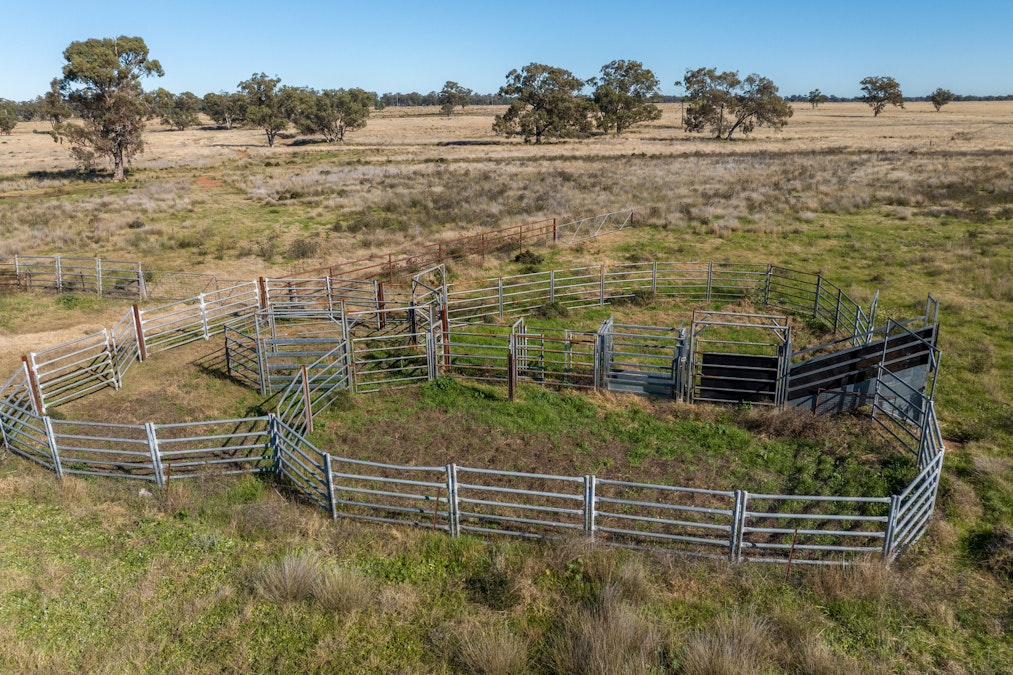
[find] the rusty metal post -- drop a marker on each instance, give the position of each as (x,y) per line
(262,292)
(381,305)
(306,398)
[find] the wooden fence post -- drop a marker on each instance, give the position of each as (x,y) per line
(262,297)
(142,349)
(33,385)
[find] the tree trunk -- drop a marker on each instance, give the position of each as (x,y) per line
(118,171)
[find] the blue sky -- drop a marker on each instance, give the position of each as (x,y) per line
(966,46)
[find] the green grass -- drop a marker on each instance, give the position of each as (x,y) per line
(97,577)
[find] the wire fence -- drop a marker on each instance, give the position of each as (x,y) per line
(377,345)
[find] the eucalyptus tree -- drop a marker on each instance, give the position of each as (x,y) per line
(263,103)
(101,84)
(453,95)
(879,92)
(622,95)
(545,101)
(725,103)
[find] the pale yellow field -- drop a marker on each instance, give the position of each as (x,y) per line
(414,134)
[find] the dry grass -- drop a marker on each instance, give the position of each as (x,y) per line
(603,638)
(492,650)
(342,590)
(290,579)
(734,644)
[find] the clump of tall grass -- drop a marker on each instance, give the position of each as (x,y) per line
(341,590)
(733,644)
(492,650)
(292,578)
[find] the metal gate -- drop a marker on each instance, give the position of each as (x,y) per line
(642,359)
(739,358)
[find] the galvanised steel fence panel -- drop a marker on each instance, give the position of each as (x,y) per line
(558,358)
(477,352)
(645,359)
(915,506)
(225,305)
(390,362)
(731,281)
(595,226)
(677,519)
(629,280)
(519,504)
(74,369)
(302,465)
(812,528)
(125,349)
(690,280)
(329,376)
(242,359)
(25,433)
(473,301)
(299,294)
(61,274)
(576,288)
(176,324)
(166,285)
(104,449)
(235,446)
(388,493)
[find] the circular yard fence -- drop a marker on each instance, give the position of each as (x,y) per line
(305,341)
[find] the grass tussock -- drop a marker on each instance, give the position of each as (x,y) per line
(292,578)
(492,650)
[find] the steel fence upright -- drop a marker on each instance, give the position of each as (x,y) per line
(891,527)
(329,477)
(453,506)
(589,505)
(54,450)
(156,456)
(738,524)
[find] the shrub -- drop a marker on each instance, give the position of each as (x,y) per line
(300,249)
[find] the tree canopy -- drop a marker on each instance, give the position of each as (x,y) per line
(8,116)
(102,84)
(622,95)
(816,98)
(725,103)
(879,92)
(330,113)
(263,103)
(225,109)
(453,95)
(941,97)
(546,101)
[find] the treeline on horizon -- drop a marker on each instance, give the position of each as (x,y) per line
(27,111)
